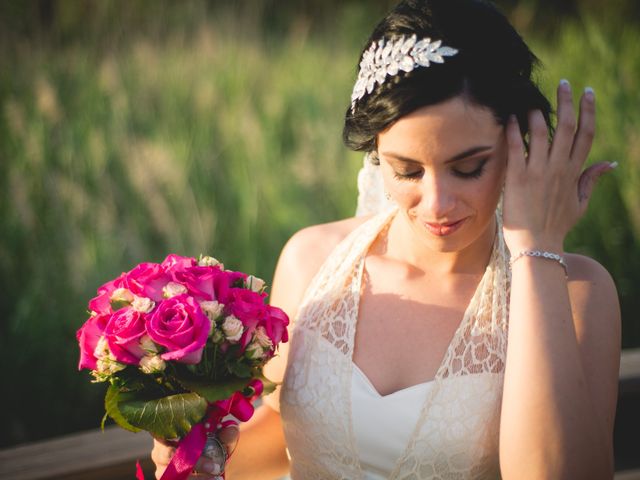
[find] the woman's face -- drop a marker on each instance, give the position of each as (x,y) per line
(444,166)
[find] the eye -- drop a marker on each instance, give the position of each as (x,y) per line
(474,172)
(410,175)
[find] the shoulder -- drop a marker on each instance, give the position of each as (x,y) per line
(301,258)
(591,287)
(594,300)
(303,255)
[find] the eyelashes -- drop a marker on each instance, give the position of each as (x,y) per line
(469,175)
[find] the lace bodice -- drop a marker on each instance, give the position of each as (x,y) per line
(456,435)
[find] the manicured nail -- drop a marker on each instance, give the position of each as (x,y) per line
(564,84)
(613,165)
(589,94)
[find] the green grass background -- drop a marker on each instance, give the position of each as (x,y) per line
(188,127)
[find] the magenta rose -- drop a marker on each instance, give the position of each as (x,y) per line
(248,307)
(199,281)
(147,280)
(102,303)
(88,336)
(179,325)
(276,325)
(224,288)
(123,333)
(176,263)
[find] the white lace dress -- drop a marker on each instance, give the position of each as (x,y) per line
(455,435)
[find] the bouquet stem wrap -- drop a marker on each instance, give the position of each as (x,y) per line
(191,446)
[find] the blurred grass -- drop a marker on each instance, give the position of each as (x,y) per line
(206,132)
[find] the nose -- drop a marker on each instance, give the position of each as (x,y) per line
(438,198)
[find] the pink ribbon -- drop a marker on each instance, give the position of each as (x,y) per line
(191,446)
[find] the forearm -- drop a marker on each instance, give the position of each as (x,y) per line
(549,427)
(260,453)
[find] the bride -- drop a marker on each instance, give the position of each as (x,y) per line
(445,333)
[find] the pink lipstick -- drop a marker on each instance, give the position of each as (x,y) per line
(444,229)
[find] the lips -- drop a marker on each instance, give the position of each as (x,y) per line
(444,229)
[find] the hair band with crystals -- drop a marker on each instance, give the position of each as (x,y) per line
(384,59)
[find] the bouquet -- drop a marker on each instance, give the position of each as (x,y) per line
(181,344)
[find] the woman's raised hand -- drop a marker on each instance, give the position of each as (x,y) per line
(205,469)
(547,190)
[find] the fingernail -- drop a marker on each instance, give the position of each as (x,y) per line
(589,94)
(211,467)
(613,165)
(564,83)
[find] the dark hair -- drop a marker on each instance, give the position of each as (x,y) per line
(493,68)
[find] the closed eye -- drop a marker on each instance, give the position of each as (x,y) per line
(416,175)
(473,173)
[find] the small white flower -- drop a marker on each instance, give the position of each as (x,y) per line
(212,309)
(254,351)
(254,283)
(216,336)
(207,261)
(121,295)
(102,348)
(148,345)
(108,366)
(172,289)
(232,328)
(143,304)
(152,364)
(261,338)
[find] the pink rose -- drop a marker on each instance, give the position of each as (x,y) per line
(276,325)
(147,280)
(200,281)
(123,333)
(224,285)
(88,336)
(181,327)
(102,303)
(249,308)
(176,263)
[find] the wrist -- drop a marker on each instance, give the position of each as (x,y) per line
(543,244)
(539,256)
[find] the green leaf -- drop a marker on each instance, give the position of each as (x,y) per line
(268,385)
(239,369)
(215,391)
(111,399)
(166,417)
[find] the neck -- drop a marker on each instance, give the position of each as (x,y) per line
(472,259)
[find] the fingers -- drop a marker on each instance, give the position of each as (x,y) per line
(589,177)
(565,131)
(516,152)
(206,468)
(229,436)
(539,141)
(161,453)
(586,129)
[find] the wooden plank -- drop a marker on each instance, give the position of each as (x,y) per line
(627,475)
(630,364)
(63,457)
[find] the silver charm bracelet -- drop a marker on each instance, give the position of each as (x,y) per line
(541,254)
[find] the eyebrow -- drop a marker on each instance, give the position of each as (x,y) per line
(467,153)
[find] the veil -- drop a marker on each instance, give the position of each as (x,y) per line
(371,197)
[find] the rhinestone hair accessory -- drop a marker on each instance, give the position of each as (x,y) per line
(384,59)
